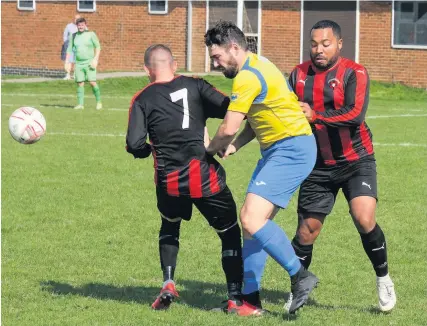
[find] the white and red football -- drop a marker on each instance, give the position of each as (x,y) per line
(27,125)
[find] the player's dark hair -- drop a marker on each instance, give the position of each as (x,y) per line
(152,48)
(225,33)
(336,29)
(80,20)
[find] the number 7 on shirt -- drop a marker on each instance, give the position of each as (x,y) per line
(182,94)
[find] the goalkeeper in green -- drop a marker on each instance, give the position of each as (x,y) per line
(87,49)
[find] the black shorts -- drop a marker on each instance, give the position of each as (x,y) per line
(318,192)
(219,209)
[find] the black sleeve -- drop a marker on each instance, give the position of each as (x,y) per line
(293,79)
(356,103)
(215,103)
(136,138)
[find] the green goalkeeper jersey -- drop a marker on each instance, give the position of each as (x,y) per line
(83,45)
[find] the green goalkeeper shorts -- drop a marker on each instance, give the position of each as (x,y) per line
(84,73)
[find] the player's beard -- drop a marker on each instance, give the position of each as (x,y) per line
(232,69)
(328,64)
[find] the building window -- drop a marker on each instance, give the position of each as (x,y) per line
(410,24)
(27,5)
(158,7)
(86,5)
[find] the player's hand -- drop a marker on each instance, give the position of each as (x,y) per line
(94,63)
(67,67)
(307,110)
(230,150)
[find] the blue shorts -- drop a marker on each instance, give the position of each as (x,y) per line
(282,168)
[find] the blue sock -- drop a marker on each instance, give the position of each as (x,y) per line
(275,242)
(254,258)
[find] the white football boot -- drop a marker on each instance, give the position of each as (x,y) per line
(386,294)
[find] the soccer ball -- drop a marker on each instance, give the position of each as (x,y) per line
(27,125)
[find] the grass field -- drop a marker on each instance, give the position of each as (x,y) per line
(80,225)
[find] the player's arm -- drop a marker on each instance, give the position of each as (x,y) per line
(67,65)
(215,103)
(244,137)
(246,87)
(356,100)
(136,138)
(97,46)
(65,35)
(206,137)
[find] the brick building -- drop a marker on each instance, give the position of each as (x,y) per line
(388,37)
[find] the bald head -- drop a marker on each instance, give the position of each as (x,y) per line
(159,63)
(158,55)
(76,17)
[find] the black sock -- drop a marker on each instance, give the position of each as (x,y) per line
(253,298)
(232,262)
(303,252)
(168,247)
(376,248)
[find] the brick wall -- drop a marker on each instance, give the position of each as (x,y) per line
(198,32)
(280,33)
(383,62)
(33,39)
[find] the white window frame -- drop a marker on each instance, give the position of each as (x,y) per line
(26,8)
(155,12)
(402,46)
(86,10)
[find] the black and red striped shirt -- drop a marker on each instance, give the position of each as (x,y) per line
(173,114)
(339,97)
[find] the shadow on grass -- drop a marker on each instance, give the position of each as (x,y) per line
(200,295)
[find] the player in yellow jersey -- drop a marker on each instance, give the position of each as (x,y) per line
(288,153)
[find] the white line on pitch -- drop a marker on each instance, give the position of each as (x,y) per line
(408,110)
(66,107)
(395,116)
(44,95)
(401,145)
(84,134)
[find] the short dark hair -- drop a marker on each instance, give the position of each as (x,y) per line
(224,33)
(336,29)
(155,47)
(80,20)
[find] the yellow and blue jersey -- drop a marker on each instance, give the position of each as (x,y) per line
(262,93)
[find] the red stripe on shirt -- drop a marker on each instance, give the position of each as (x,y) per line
(213,178)
(299,86)
(359,101)
(195,182)
(346,142)
(321,130)
(347,145)
(366,139)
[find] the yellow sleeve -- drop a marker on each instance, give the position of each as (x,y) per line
(246,87)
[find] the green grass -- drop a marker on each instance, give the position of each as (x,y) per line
(80,224)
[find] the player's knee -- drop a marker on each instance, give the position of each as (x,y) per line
(231,238)
(308,229)
(225,225)
(365,222)
(246,217)
(170,227)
